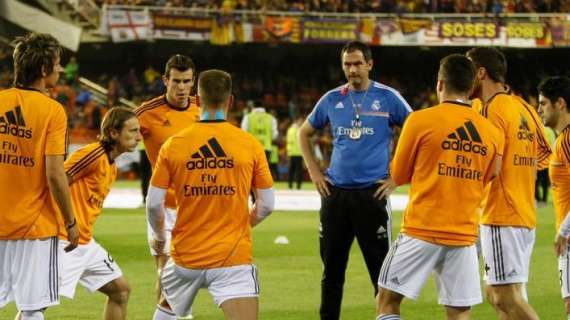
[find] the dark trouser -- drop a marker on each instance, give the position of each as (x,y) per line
(145,173)
(295,171)
(542,183)
(346,214)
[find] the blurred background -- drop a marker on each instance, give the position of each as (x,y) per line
(282,54)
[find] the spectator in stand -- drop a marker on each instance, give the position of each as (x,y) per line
(71,70)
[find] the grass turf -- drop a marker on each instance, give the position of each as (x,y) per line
(289,274)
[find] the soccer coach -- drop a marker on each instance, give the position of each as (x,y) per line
(354,189)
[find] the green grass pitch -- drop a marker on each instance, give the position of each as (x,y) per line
(289,274)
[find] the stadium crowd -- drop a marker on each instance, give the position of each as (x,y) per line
(361,6)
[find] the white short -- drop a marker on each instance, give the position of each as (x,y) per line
(29,273)
(410,262)
(180,285)
(564,271)
(88,264)
(506,253)
(169,221)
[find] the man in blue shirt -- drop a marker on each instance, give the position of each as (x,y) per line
(354,189)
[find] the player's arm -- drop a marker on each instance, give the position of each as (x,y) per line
(316,120)
(406,150)
(159,183)
(319,179)
(154,212)
(55,148)
(562,237)
(263,206)
(544,150)
(59,188)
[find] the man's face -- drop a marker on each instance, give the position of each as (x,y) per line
(548,112)
(52,78)
(129,136)
(178,86)
(355,68)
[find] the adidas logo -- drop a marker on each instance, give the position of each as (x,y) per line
(166,123)
(339,106)
(11,123)
(524,130)
(465,138)
(210,156)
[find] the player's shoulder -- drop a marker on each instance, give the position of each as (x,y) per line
(150,106)
(94,149)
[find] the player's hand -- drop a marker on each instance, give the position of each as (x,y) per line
(158,246)
(387,186)
(560,245)
(72,237)
(320,181)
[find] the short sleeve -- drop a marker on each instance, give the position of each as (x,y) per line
(82,162)
(319,116)
(56,135)
(161,172)
(399,109)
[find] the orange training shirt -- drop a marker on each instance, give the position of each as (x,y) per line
(559,172)
(159,121)
(212,167)
(91,175)
(32,126)
(447,154)
(510,199)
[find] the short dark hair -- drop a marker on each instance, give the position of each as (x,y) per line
(556,87)
(357,45)
(114,119)
(492,59)
(179,62)
(34,53)
(214,87)
(457,73)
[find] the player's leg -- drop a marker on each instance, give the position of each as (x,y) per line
(335,240)
(35,281)
(509,300)
(458,281)
(564,272)
(506,252)
(458,313)
(117,292)
(102,273)
(160,258)
(240,308)
(407,267)
(292,168)
(180,286)
(371,220)
(235,290)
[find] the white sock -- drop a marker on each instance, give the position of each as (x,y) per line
(163,314)
(388,317)
(32,315)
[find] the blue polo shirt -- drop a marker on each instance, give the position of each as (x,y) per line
(360,163)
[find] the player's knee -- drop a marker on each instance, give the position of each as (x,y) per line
(32,315)
(388,299)
(121,294)
(567,305)
(505,298)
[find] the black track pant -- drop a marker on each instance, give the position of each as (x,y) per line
(145,174)
(542,185)
(295,171)
(344,215)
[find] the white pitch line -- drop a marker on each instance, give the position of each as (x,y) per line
(285,200)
